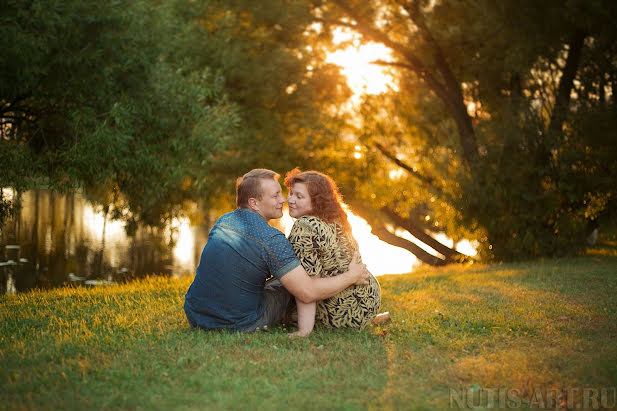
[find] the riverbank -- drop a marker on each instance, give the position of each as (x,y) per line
(523,329)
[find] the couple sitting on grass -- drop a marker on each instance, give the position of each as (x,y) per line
(319,264)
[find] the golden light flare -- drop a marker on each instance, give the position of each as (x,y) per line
(8,194)
(380,257)
(185,244)
(396,174)
(355,61)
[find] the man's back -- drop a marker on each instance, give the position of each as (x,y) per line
(243,250)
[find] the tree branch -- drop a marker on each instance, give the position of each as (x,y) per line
(379,229)
(449,92)
(384,235)
(392,64)
(562,99)
(426,180)
(450,253)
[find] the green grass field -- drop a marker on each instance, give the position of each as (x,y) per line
(526,328)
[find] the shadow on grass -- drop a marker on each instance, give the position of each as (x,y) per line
(528,325)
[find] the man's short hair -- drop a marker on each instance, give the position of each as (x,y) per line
(249,185)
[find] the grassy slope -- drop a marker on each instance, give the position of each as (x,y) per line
(524,326)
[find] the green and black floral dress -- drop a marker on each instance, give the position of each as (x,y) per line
(324,249)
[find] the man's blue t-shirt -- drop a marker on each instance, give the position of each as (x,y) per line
(242,251)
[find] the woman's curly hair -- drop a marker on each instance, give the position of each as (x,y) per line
(326,200)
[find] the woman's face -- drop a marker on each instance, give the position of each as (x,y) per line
(299,201)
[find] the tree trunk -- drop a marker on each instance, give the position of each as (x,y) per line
(393,239)
(379,229)
(562,99)
(450,254)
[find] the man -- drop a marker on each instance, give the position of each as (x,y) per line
(243,250)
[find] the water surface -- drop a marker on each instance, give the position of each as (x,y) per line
(63,240)
(59,240)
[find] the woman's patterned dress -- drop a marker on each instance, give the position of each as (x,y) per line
(324,249)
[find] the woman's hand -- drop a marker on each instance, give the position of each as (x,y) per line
(358,270)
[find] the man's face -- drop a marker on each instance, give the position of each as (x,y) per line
(270,206)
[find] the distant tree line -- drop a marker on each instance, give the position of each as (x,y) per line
(145,105)
(502,127)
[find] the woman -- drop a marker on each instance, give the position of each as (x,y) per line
(322,240)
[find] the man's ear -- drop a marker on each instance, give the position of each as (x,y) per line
(253,204)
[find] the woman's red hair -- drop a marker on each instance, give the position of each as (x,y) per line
(326,200)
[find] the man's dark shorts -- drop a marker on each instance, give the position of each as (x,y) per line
(277,300)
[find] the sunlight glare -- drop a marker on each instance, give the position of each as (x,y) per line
(396,174)
(185,245)
(464,246)
(380,257)
(355,62)
(467,247)
(8,194)
(94,221)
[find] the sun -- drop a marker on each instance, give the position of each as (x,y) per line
(355,61)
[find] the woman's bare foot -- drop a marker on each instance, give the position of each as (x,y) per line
(382,318)
(299,333)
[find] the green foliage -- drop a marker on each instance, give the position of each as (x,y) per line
(541,171)
(540,186)
(96,96)
(148,105)
(283,103)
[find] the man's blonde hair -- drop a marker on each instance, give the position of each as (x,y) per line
(249,185)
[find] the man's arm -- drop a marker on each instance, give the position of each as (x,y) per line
(308,289)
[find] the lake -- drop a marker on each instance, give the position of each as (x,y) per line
(59,240)
(63,240)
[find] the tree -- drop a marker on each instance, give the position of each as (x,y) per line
(163,104)
(282,89)
(95,95)
(489,121)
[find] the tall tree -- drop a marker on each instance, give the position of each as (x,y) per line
(95,95)
(283,90)
(487,121)
(146,107)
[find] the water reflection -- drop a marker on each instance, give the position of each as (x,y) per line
(61,240)
(58,240)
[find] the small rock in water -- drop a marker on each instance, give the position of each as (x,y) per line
(73,277)
(99,282)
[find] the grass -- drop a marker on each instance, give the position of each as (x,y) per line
(528,326)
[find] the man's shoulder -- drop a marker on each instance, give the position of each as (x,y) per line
(250,224)
(227,217)
(241,217)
